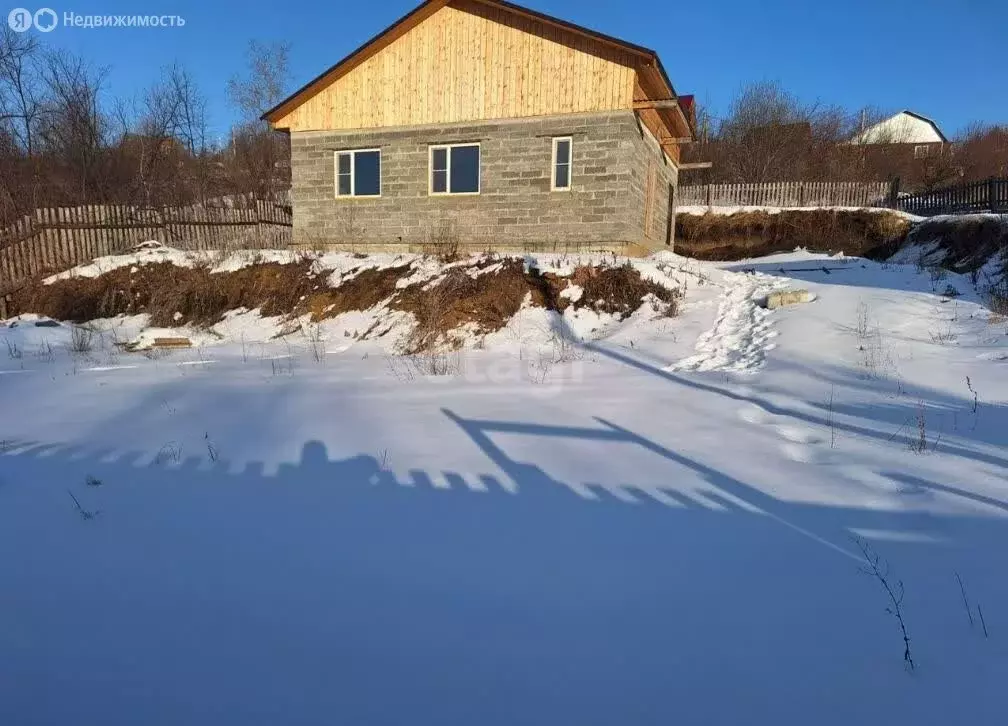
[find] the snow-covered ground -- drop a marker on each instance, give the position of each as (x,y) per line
(657,526)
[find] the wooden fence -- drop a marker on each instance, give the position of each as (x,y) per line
(785,194)
(55,239)
(990,195)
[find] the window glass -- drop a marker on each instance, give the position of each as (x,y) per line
(358,173)
(439,170)
(563,151)
(465,165)
(367,173)
(561,163)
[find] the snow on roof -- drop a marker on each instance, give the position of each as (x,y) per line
(905,127)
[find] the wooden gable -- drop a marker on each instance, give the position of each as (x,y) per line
(469,61)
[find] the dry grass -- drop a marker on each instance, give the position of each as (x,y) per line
(969,241)
(489,301)
(619,290)
(174,295)
(467,295)
(996,298)
(163,289)
(736,236)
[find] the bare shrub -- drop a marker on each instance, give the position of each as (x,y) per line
(962,591)
(170,452)
(81,339)
(212,454)
(863,323)
(282,366)
(400,368)
(14,351)
(85,514)
(437,363)
(566,347)
(316,341)
(942,336)
(879,569)
(443,241)
(937,274)
(876,357)
(831,417)
(918,442)
(996,298)
(539,368)
(45,351)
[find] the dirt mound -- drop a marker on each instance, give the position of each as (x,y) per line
(171,294)
(969,241)
(482,295)
(741,235)
(618,290)
(487,301)
(491,299)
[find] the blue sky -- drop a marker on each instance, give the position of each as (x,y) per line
(943,59)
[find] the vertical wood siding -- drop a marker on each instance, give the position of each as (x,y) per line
(467,62)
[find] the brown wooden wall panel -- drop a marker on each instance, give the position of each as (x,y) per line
(467,62)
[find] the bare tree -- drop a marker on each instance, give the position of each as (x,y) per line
(981,151)
(73,126)
(764,132)
(265,81)
(20,94)
(260,159)
(20,106)
(769,135)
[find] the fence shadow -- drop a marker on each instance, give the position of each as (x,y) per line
(335,587)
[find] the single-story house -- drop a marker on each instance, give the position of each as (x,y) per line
(488,123)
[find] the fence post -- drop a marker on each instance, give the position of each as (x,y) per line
(894,186)
(708,195)
(992,200)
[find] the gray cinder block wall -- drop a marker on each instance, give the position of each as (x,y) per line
(515,208)
(647,155)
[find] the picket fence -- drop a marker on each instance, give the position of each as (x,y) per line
(57,238)
(785,194)
(988,195)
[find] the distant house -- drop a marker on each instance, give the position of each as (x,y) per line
(490,123)
(905,128)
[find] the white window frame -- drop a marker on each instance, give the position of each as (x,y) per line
(353,168)
(430,169)
(570,164)
(922,151)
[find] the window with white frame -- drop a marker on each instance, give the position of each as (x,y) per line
(455,169)
(561,180)
(921,151)
(358,173)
